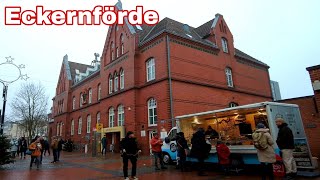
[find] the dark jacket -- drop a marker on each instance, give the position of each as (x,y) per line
(60,144)
(23,145)
(285,137)
(104,142)
(182,145)
(200,149)
(130,145)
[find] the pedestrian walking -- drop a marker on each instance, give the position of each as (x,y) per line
(129,151)
(60,143)
(54,146)
(46,147)
(285,142)
(156,144)
(14,147)
(35,148)
(182,150)
(42,148)
(200,149)
(104,145)
(23,147)
(266,154)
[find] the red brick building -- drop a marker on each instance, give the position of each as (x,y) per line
(309,108)
(148,74)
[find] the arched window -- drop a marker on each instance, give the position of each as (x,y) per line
(152,112)
(112,51)
(151,70)
(61,128)
(73,102)
(90,96)
(81,99)
(122,43)
(111,117)
(99,92)
(98,117)
(110,84)
(116,81)
(58,129)
(72,127)
(120,115)
(121,79)
(117,50)
(79,125)
(233,104)
(224,45)
(88,123)
(229,77)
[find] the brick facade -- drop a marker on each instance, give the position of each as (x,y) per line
(309,108)
(189,77)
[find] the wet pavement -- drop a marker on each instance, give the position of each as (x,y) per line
(80,167)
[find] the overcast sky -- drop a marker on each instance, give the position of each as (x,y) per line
(284,34)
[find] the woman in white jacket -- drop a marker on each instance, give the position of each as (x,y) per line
(266,153)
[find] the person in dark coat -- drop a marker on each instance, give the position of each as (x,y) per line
(285,142)
(182,151)
(200,149)
(129,151)
(42,148)
(46,147)
(60,143)
(104,145)
(23,145)
(212,133)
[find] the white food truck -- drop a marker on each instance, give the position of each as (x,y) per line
(235,127)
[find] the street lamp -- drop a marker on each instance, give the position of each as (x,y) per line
(7,65)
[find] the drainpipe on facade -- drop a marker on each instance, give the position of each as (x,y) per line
(170,83)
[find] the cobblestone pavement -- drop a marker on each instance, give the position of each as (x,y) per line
(77,166)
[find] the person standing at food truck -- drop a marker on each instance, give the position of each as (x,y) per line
(266,154)
(182,150)
(285,143)
(156,144)
(200,149)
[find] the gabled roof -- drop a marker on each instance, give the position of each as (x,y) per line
(247,57)
(173,27)
(205,28)
(81,67)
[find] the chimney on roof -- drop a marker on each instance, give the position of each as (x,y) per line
(314,73)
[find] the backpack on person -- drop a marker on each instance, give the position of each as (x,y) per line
(260,141)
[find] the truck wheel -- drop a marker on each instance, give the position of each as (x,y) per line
(166,158)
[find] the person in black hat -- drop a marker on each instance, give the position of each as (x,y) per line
(129,150)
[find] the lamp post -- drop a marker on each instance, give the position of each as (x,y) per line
(7,65)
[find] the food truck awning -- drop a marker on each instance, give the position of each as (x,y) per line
(234,109)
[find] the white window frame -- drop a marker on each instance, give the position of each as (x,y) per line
(61,128)
(98,118)
(110,84)
(80,125)
(58,129)
(122,79)
(112,55)
(224,45)
(81,99)
(153,115)
(151,70)
(120,115)
(228,72)
(89,123)
(90,96)
(73,103)
(99,91)
(111,117)
(72,127)
(116,82)
(117,51)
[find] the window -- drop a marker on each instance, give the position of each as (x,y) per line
(74,102)
(80,125)
(61,128)
(120,115)
(88,123)
(116,82)
(122,43)
(99,91)
(224,45)
(152,112)
(58,128)
(111,117)
(121,79)
(98,117)
(229,77)
(72,127)
(112,55)
(233,104)
(117,52)
(90,96)
(110,84)
(150,70)
(81,99)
